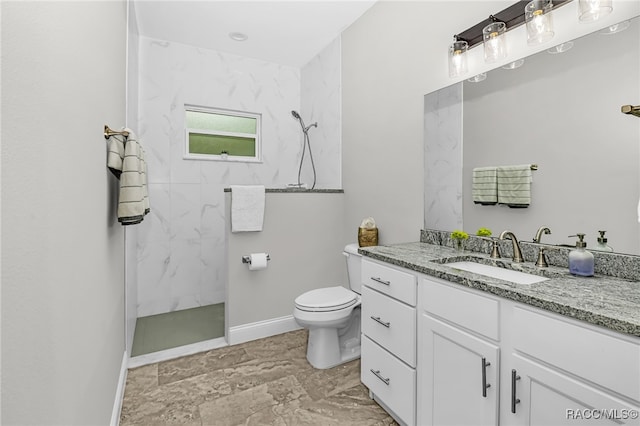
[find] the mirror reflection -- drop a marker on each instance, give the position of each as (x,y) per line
(561,111)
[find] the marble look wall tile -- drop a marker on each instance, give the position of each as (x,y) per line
(154,280)
(187,202)
(156,226)
(185,211)
(184,270)
(443,159)
(321,102)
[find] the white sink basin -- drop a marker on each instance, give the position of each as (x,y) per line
(516,277)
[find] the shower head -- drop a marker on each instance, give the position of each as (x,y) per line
(295,115)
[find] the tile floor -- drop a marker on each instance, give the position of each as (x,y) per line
(263,382)
(178,328)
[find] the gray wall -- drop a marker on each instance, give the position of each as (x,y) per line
(302,234)
(563,113)
(63,78)
(389,56)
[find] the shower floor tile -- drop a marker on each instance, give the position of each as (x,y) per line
(173,329)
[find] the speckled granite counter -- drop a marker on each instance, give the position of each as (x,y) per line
(300,190)
(606,301)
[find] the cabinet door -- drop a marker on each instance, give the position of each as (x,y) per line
(457,378)
(544,396)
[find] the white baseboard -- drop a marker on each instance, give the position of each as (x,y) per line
(258,330)
(117,403)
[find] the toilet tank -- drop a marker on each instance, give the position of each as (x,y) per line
(354,260)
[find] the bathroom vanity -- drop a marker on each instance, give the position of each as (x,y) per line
(442,345)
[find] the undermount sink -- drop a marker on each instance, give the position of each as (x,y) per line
(516,277)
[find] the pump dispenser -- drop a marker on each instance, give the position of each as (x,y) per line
(602,243)
(580,260)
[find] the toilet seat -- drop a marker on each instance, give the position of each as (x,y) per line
(326,299)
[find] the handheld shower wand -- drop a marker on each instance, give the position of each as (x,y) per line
(305,143)
(304,129)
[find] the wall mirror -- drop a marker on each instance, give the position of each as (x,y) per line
(561,111)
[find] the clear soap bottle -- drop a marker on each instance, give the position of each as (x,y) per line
(580,260)
(602,243)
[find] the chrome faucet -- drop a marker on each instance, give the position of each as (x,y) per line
(542,260)
(517,254)
(541,230)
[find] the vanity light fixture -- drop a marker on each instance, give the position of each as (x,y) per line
(513,65)
(458,57)
(512,17)
(538,16)
(495,44)
(561,48)
(616,28)
(592,10)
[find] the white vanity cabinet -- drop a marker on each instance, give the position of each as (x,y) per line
(564,372)
(485,360)
(459,358)
(388,353)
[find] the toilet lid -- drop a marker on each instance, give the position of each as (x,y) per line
(326,299)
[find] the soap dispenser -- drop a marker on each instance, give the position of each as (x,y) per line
(580,260)
(602,243)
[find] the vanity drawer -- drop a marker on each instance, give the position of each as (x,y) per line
(390,323)
(469,310)
(596,356)
(397,284)
(392,381)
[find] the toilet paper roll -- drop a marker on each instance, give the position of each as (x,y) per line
(258,261)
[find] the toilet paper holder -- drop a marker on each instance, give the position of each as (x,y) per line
(247,259)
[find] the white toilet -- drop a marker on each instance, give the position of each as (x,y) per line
(332,315)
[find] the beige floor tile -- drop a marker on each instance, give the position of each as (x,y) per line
(263,382)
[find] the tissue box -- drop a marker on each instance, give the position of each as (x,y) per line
(367,237)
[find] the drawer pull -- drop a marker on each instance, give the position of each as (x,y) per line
(485,385)
(514,400)
(379,376)
(379,321)
(381,281)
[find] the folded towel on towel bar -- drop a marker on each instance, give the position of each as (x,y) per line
(514,185)
(484,186)
(125,159)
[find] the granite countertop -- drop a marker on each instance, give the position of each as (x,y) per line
(602,300)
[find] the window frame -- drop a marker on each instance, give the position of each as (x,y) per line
(257,158)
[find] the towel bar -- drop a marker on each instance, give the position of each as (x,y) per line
(108,132)
(247,259)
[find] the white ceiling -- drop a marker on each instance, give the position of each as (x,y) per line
(284,32)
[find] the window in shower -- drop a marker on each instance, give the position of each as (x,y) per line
(218,134)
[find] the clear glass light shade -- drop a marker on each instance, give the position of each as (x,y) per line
(513,65)
(538,16)
(458,58)
(561,48)
(592,10)
(478,78)
(495,43)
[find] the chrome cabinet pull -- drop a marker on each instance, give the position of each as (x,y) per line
(485,385)
(381,281)
(514,400)
(379,376)
(379,321)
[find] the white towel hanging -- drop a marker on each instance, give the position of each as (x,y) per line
(247,208)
